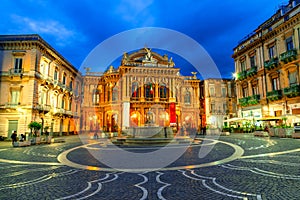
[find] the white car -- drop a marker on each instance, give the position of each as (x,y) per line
(297,127)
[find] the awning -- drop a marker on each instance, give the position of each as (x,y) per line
(236,119)
(269,119)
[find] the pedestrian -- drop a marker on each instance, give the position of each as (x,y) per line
(14,137)
(23,138)
(165,130)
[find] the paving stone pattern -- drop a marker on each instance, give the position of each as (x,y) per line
(268,169)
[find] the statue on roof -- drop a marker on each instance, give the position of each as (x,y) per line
(171,63)
(148,56)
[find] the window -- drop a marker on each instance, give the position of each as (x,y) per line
(18,65)
(135,89)
(254,90)
(212,107)
(95,97)
(289,43)
(252,61)
(223,92)
(64,79)
(292,78)
(71,85)
(63,103)
(212,91)
(271,52)
(15,95)
(245,91)
(70,105)
(163,91)
(224,107)
(149,90)
(55,74)
(229,90)
(115,94)
(187,97)
(275,84)
(243,65)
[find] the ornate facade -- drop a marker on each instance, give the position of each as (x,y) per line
(267,66)
(218,101)
(37,84)
(145,90)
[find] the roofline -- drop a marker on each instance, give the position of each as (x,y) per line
(35,37)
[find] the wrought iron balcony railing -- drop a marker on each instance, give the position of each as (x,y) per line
(274,95)
(254,99)
(252,71)
(16,72)
(242,75)
(292,91)
(288,56)
(271,64)
(243,101)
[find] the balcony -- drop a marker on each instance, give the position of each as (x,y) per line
(16,72)
(271,64)
(243,101)
(254,99)
(292,91)
(43,108)
(288,56)
(58,111)
(274,95)
(11,105)
(242,75)
(252,71)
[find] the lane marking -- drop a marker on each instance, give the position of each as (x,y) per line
(28,163)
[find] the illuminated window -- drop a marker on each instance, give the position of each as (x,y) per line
(135,89)
(96,97)
(163,91)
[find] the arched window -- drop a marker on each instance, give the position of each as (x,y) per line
(96,97)
(115,94)
(149,90)
(162,91)
(135,90)
(187,97)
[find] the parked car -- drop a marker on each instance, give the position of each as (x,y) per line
(297,127)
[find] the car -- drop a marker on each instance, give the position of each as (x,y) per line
(297,127)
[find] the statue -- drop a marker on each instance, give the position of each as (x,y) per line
(148,57)
(171,63)
(149,118)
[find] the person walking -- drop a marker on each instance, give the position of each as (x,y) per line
(14,137)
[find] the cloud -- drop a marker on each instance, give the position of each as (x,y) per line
(55,29)
(135,12)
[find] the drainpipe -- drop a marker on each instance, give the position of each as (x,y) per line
(265,78)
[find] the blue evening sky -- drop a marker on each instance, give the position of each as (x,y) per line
(74,27)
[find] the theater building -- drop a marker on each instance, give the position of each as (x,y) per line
(37,84)
(145,90)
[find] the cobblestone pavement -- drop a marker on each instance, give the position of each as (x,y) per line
(267,168)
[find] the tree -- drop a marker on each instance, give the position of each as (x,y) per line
(35,126)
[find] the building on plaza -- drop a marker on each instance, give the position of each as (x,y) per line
(145,90)
(37,84)
(218,101)
(267,66)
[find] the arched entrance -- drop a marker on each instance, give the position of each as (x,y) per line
(135,119)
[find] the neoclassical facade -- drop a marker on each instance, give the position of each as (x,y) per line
(267,66)
(37,84)
(145,90)
(218,101)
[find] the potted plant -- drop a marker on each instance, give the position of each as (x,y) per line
(34,128)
